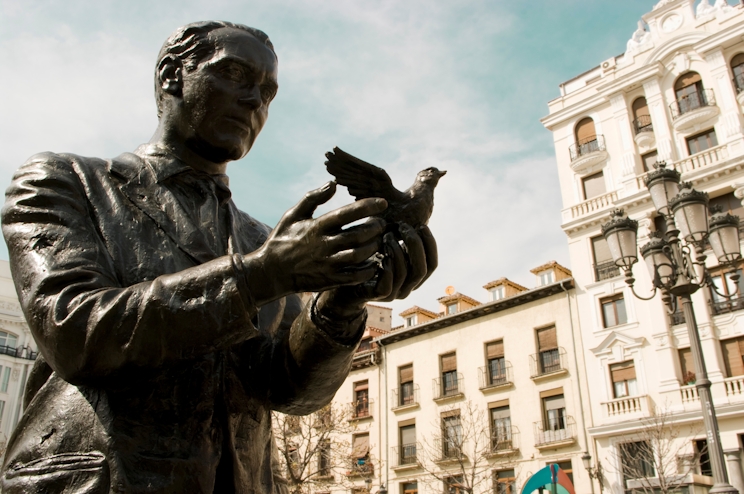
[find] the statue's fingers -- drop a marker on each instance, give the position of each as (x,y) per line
(336,219)
(416,259)
(306,207)
(432,254)
(398,261)
(357,255)
(358,234)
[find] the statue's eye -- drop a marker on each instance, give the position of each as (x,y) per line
(233,72)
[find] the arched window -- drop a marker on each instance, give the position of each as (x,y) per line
(737,67)
(641,116)
(689,92)
(8,340)
(586,138)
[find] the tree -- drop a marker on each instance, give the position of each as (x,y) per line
(313,449)
(466,450)
(657,458)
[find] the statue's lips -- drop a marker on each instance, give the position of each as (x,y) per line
(246,126)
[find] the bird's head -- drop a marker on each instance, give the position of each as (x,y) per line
(430,175)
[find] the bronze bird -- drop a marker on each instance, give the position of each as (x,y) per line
(413,207)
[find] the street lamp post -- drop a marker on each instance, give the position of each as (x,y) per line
(594,472)
(677,276)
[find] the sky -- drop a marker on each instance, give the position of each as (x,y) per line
(456,84)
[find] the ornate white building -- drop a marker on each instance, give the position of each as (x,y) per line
(676,95)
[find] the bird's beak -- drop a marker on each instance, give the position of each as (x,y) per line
(442,173)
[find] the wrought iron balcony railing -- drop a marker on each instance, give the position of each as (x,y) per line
(405,454)
(446,387)
(495,374)
(586,146)
(404,396)
(504,439)
(693,101)
(23,352)
(361,409)
(606,271)
(643,124)
(548,362)
(449,449)
(556,430)
(726,306)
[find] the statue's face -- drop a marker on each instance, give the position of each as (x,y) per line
(226,98)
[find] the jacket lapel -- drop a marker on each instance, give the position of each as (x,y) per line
(159,204)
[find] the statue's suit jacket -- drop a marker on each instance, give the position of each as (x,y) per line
(157,372)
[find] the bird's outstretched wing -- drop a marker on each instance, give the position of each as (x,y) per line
(361,178)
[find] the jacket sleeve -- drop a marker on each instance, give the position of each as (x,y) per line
(86,324)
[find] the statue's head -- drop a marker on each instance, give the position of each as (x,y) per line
(214,82)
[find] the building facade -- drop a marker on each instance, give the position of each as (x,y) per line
(675,96)
(17,355)
(473,395)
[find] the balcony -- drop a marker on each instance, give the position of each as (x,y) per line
(676,318)
(360,467)
(449,450)
(405,457)
(446,389)
(361,410)
(734,386)
(548,363)
(727,306)
(606,271)
(693,109)
(555,433)
(504,442)
(629,407)
(644,132)
(405,399)
(367,354)
(588,154)
(23,352)
(689,393)
(495,377)
(594,204)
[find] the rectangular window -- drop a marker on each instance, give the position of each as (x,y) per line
(452,309)
(604,265)
(624,379)
(496,368)
(8,340)
(729,204)
(554,408)
(613,311)
(546,278)
(501,430)
(360,453)
(723,284)
(411,321)
(497,293)
(733,356)
(593,185)
(449,374)
(407,440)
(686,366)
(504,482)
(2,410)
(636,459)
(451,434)
(648,160)
(324,458)
(405,377)
(409,487)
(361,399)
(700,142)
(703,458)
(549,356)
(454,485)
(6,380)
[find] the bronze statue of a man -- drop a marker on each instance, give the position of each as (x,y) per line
(167,320)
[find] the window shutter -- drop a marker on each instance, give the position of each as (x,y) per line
(687,79)
(601,250)
(554,402)
(449,362)
(406,374)
(361,446)
(594,185)
(640,107)
(732,355)
(685,361)
(585,130)
(498,404)
(495,349)
(547,339)
(737,60)
(623,371)
(551,392)
(500,413)
(408,434)
(361,386)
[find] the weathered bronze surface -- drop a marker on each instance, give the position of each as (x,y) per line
(168,321)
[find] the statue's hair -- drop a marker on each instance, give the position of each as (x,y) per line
(192,45)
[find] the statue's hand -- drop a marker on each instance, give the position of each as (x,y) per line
(306,254)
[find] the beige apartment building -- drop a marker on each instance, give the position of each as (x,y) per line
(675,95)
(479,394)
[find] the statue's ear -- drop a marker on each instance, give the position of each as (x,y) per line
(170,75)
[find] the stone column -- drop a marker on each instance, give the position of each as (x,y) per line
(733,462)
(659,117)
(730,121)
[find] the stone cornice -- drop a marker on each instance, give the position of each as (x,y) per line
(715,41)
(633,78)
